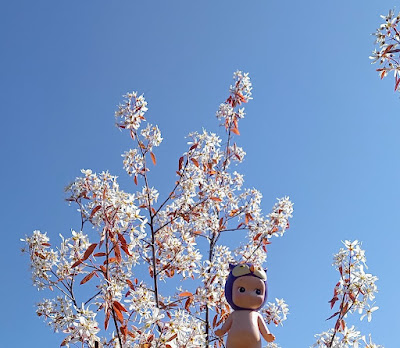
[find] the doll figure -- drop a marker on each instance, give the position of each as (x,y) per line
(246,292)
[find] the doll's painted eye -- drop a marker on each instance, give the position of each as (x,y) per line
(258,291)
(242,289)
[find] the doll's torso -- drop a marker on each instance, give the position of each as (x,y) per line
(244,332)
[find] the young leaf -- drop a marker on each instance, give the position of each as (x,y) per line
(153,158)
(89,251)
(88,277)
(120,307)
(185,293)
(236,131)
(94,211)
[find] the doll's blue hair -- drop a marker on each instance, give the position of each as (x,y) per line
(248,270)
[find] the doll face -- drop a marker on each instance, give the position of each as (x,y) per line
(248,292)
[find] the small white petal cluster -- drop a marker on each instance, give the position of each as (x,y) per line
(152,135)
(134,162)
(351,338)
(388,40)
(131,113)
(98,195)
(353,292)
(43,259)
(272,345)
(176,237)
(241,89)
(275,312)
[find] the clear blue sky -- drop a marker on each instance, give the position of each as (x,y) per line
(322,128)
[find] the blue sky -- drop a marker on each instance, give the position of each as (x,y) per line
(322,128)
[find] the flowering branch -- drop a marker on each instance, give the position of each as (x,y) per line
(206,200)
(388,52)
(353,291)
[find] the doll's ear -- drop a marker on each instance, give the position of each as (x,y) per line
(231,267)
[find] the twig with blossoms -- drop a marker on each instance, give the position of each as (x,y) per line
(388,52)
(353,292)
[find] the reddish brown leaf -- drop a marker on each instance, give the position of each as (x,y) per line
(257,236)
(180,163)
(124,247)
(195,162)
(185,293)
(193,146)
(89,251)
(130,333)
(153,158)
(215,320)
(135,180)
(88,277)
(40,255)
(110,260)
(333,315)
(122,239)
(188,303)
(117,252)
(119,306)
(94,211)
(172,338)
(216,199)
(107,318)
(397,84)
(99,254)
(130,284)
(77,263)
(120,317)
(124,331)
(236,131)
(240,225)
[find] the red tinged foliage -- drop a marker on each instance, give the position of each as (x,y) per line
(89,251)
(185,293)
(153,158)
(88,277)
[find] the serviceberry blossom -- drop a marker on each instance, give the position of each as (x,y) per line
(152,269)
(387,54)
(275,312)
(353,292)
(130,114)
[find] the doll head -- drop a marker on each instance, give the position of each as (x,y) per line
(246,287)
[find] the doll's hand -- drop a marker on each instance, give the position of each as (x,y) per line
(270,337)
(219,332)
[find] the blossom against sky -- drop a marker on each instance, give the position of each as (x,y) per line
(322,128)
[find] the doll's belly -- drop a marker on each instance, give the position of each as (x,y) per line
(243,339)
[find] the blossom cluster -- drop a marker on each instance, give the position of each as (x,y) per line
(165,240)
(388,40)
(275,312)
(130,114)
(240,92)
(353,292)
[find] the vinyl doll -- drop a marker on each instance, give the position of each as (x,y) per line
(246,292)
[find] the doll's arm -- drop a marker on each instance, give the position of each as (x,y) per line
(269,337)
(225,328)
